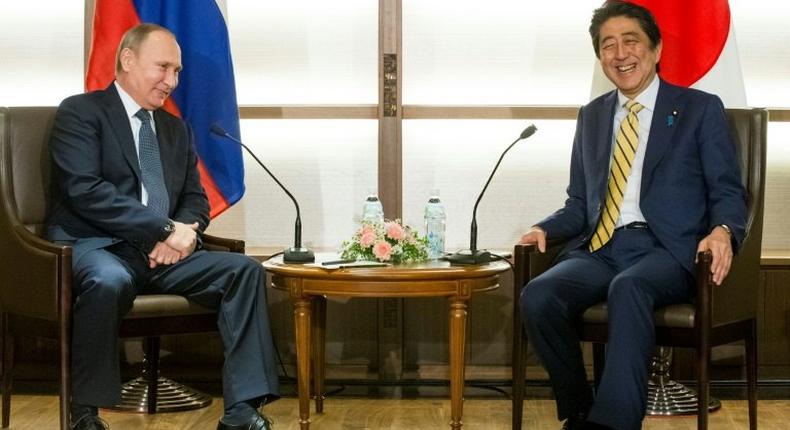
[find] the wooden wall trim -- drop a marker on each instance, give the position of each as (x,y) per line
(309,112)
(490,112)
(775,259)
(364,111)
(390,154)
(778,115)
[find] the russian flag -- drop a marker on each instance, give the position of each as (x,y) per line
(206,92)
(699,48)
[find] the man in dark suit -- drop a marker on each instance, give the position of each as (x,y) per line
(127,196)
(654,179)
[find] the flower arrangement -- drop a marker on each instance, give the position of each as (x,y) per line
(389,241)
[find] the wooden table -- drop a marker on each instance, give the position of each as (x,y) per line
(309,286)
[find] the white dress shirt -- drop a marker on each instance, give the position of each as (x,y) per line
(629,209)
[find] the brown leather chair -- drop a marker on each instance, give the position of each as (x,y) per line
(35,275)
(720,314)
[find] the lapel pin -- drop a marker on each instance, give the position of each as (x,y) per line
(671,118)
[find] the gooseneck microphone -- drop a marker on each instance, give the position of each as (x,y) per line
(294,254)
(474,255)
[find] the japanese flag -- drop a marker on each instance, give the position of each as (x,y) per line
(699,49)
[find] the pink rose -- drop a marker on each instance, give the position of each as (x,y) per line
(395,231)
(367,237)
(382,250)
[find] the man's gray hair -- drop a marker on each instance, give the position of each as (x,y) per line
(133,38)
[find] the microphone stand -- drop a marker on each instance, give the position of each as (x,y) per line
(296,253)
(473,255)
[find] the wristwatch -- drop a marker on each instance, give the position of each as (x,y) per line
(726,228)
(167,230)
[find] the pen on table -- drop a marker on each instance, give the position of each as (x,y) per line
(333,262)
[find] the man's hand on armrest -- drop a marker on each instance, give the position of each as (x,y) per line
(719,243)
(535,236)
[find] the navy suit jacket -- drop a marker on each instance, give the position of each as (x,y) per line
(96,176)
(691,178)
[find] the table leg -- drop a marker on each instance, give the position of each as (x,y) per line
(319,346)
(302,316)
(457,346)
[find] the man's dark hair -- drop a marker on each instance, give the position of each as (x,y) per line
(615,8)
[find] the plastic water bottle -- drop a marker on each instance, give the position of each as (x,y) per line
(372,210)
(435,225)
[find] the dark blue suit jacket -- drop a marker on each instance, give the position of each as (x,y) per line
(690,179)
(96,175)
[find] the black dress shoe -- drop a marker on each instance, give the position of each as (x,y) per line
(256,422)
(90,422)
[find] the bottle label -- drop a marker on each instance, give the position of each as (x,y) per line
(435,233)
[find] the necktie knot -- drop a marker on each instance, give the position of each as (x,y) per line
(143,116)
(633,106)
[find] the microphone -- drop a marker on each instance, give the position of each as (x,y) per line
(474,255)
(294,254)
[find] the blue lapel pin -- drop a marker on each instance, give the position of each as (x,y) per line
(671,118)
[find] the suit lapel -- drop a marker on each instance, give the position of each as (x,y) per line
(662,128)
(602,145)
(122,129)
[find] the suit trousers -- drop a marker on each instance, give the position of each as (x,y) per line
(106,282)
(635,275)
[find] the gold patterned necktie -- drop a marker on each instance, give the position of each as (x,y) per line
(626,143)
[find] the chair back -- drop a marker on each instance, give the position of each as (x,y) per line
(24,133)
(736,299)
(24,193)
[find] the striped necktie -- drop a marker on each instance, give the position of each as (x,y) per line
(151,166)
(626,143)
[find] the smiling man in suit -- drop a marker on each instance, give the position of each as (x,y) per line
(654,179)
(127,197)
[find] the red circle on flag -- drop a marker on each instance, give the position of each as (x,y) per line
(693,32)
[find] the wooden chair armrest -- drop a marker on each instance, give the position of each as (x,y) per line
(38,276)
(36,245)
(704,302)
(216,243)
(532,262)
